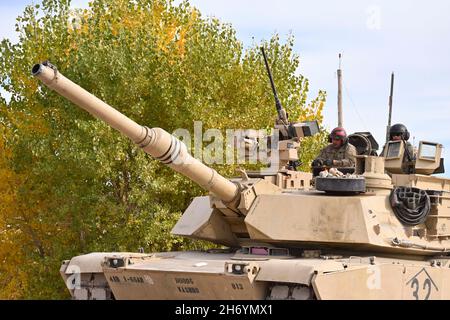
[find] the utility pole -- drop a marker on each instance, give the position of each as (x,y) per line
(391,98)
(339,75)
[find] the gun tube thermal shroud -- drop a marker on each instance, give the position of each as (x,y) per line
(157,142)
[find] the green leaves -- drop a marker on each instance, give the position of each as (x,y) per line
(82,187)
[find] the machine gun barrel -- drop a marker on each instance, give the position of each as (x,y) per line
(281,112)
(157,142)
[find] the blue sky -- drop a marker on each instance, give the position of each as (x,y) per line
(409,37)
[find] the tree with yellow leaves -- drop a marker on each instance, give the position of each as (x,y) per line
(69,184)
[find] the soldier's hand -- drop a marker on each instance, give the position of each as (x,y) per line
(317,163)
(328,163)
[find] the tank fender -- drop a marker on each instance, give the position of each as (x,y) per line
(295,270)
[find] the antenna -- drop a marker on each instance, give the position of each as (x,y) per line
(391,98)
(339,74)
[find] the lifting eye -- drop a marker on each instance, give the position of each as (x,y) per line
(116,262)
(238,268)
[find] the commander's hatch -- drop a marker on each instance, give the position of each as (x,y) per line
(426,161)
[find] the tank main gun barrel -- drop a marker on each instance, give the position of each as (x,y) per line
(157,142)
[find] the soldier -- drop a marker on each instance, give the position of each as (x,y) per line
(340,153)
(399,132)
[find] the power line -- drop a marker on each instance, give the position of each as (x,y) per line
(354,106)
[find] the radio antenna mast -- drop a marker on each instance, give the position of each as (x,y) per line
(391,98)
(339,75)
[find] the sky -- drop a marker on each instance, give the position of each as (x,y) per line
(377,37)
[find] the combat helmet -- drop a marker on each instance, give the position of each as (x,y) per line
(338,133)
(399,130)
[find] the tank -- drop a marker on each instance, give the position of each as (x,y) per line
(374,233)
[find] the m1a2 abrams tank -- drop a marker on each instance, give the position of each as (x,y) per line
(286,240)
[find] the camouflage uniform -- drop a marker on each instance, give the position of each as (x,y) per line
(344,155)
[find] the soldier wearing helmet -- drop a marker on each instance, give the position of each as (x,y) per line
(339,153)
(399,132)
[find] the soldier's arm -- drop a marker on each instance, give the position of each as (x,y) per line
(319,160)
(411,151)
(322,154)
(350,158)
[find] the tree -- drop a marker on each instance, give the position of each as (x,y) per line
(73,185)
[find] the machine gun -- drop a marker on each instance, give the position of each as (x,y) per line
(290,132)
(282,114)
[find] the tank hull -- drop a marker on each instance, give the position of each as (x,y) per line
(231,276)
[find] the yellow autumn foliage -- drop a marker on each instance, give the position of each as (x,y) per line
(71,185)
